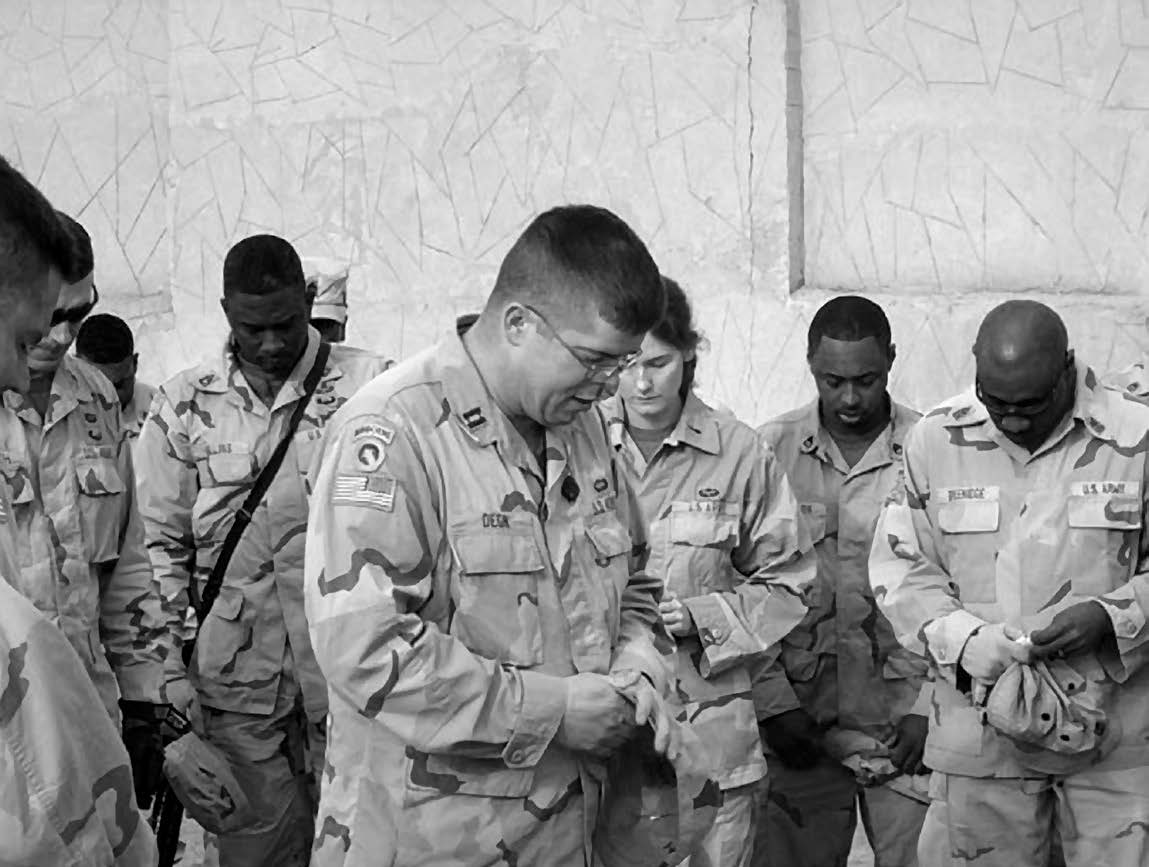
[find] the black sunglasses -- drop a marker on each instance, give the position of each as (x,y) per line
(75,315)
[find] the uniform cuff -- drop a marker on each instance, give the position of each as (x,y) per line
(725,643)
(946,636)
(540,714)
(1126,615)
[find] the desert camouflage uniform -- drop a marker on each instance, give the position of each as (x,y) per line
(985,532)
(79,538)
(254,670)
(66,795)
(843,665)
(724,535)
(452,586)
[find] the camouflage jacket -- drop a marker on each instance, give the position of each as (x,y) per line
(724,536)
(843,664)
(135,413)
(200,452)
(982,531)
(79,538)
(452,585)
(66,795)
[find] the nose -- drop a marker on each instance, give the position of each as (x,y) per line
(850,396)
(270,343)
(642,381)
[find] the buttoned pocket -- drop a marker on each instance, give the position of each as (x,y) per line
(101,506)
(430,776)
(610,547)
(1103,533)
(224,634)
(225,468)
(497,599)
(702,536)
(969,518)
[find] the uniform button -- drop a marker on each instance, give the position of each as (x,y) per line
(517,756)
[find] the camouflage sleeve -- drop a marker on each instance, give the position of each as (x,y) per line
(374,539)
(131,622)
(910,585)
(1128,605)
(168,484)
(774,556)
(66,794)
(643,642)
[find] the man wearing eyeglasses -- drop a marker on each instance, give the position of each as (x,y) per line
(77,526)
(1018,537)
(472,577)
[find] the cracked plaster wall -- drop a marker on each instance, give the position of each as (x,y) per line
(414,138)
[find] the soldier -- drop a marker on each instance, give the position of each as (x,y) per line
(1023,511)
(79,538)
(65,778)
(105,342)
(253,680)
(472,584)
(848,703)
(329,309)
(726,541)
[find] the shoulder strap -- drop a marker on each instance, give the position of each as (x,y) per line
(255,497)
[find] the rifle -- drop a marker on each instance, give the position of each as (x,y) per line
(167,811)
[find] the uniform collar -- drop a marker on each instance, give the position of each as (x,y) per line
(815,440)
(1093,405)
(697,427)
(466,396)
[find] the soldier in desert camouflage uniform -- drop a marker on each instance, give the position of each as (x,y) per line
(214,427)
(65,779)
(1023,511)
(79,540)
(472,580)
(724,536)
(105,341)
(843,677)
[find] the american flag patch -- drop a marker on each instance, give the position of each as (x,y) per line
(374,490)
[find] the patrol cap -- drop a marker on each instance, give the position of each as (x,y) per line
(329,278)
(655,811)
(203,781)
(1051,716)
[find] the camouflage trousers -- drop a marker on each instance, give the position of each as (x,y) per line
(730,841)
(1102,818)
(278,760)
(809,818)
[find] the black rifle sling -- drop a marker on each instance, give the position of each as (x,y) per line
(254,498)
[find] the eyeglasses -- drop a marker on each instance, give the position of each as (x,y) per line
(599,372)
(75,315)
(1023,409)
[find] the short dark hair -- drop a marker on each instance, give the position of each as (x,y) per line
(583,253)
(848,317)
(262,265)
(105,339)
(83,259)
(31,237)
(676,328)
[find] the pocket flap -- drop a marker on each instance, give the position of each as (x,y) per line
(466,776)
(99,477)
(701,527)
(608,536)
(1104,511)
(801,665)
(498,551)
(228,604)
(229,468)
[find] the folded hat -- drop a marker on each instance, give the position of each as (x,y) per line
(329,279)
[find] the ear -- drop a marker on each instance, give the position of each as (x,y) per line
(892,355)
(135,361)
(223,305)
(309,294)
(516,323)
(1069,358)
(689,356)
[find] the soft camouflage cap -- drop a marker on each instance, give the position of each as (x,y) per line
(1052,717)
(655,811)
(201,778)
(330,281)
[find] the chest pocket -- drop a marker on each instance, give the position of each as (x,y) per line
(969,519)
(497,594)
(222,469)
(1103,536)
(702,536)
(101,504)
